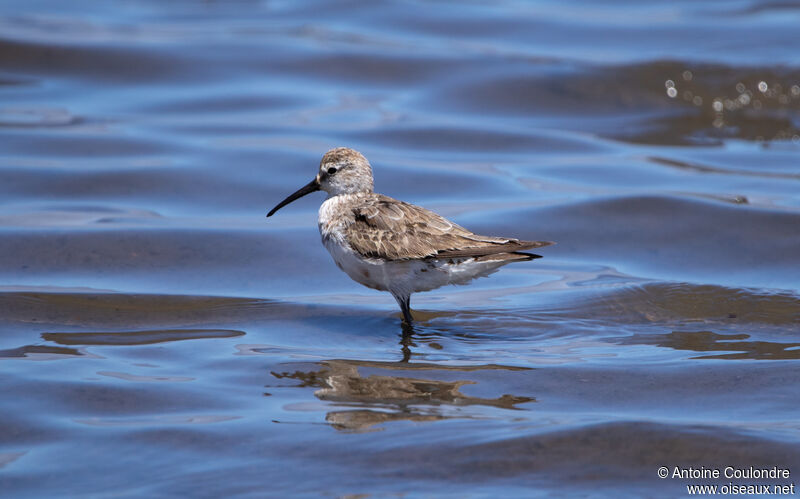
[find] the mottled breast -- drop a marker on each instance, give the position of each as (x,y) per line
(335,214)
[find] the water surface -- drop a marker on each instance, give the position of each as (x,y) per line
(160,337)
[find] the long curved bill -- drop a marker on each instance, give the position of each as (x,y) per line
(306,189)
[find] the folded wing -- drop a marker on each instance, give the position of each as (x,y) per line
(393,230)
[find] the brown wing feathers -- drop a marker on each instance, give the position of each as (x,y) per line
(512,246)
(394,230)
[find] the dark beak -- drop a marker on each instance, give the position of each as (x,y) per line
(306,189)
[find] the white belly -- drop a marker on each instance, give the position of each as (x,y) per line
(407,276)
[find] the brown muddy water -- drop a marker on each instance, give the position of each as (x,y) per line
(160,338)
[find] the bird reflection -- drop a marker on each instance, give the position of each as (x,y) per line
(407,341)
(382,397)
(417,330)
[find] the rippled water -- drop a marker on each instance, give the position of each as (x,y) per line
(160,337)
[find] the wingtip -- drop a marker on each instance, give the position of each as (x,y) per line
(526,245)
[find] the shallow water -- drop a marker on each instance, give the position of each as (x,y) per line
(160,337)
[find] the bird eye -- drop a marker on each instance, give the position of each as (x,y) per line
(331,170)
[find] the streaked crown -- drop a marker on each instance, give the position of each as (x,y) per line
(344,171)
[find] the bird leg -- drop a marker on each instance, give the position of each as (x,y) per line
(405,306)
(407,325)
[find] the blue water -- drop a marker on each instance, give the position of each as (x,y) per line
(160,337)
